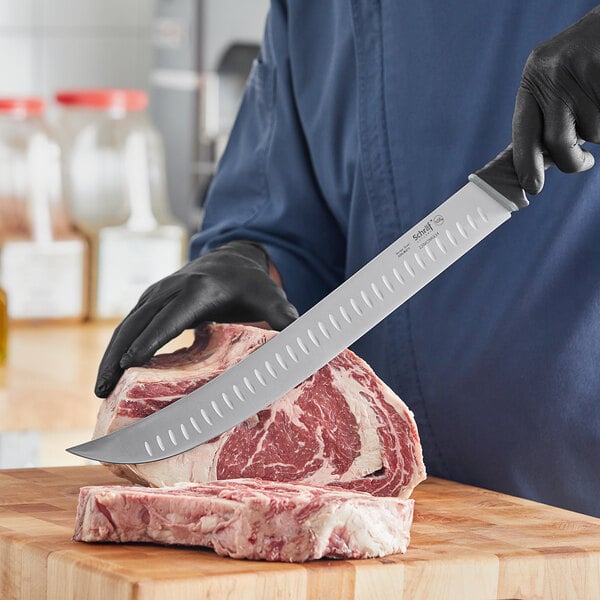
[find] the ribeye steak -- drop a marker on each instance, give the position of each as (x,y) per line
(341,426)
(248,518)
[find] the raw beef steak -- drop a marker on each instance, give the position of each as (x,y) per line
(342,425)
(248,518)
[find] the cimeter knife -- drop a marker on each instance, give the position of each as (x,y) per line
(337,321)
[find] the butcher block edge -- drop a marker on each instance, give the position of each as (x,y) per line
(466,543)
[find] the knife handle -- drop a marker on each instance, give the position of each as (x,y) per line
(499,179)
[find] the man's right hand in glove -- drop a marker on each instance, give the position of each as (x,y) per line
(230,284)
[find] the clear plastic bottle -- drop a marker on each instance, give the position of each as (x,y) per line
(42,257)
(115,180)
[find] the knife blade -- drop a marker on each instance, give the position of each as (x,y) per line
(320,334)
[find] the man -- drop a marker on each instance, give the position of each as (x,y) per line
(359,118)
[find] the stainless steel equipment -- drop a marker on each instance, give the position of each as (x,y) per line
(202,54)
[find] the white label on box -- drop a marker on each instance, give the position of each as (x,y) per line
(43,280)
(128,263)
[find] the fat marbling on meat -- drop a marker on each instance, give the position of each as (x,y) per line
(248,518)
(342,426)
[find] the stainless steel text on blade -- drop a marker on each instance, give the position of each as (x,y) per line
(332,325)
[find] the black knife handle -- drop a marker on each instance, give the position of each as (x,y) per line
(499,179)
(499,174)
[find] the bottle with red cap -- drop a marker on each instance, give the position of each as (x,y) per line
(43,260)
(116,192)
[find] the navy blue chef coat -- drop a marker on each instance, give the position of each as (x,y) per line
(358,119)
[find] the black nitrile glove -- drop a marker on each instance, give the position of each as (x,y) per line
(230,284)
(558,103)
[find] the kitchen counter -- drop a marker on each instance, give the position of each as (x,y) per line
(466,543)
(47,400)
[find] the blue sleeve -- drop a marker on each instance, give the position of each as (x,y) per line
(265,189)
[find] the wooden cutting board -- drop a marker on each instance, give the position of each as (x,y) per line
(466,543)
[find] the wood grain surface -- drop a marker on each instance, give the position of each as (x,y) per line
(466,543)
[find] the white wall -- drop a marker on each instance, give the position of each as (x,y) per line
(46,45)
